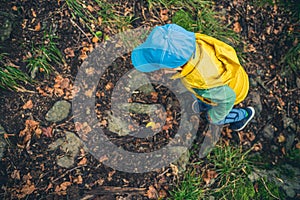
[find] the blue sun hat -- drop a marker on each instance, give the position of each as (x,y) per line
(168,46)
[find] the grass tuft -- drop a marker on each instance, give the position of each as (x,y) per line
(44,56)
(11,77)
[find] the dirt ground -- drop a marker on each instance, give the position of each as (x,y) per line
(29,170)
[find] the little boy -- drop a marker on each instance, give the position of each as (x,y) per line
(207,67)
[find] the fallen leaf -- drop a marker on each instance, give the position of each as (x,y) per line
(82,162)
(90,8)
(109,86)
(33,13)
(69,52)
(15,174)
(164,15)
(65,185)
(37,27)
(209,175)
(237,27)
(257,147)
(281,138)
(28,105)
(47,131)
(152,192)
(95,39)
(298,145)
(78,180)
(14,8)
(27,189)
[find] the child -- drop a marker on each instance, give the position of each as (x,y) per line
(206,66)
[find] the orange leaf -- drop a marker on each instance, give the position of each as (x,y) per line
(69,52)
(14,8)
(83,161)
(95,39)
(237,27)
(28,105)
(152,193)
(164,15)
(65,185)
(90,8)
(37,27)
(298,145)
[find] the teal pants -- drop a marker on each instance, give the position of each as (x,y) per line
(223,112)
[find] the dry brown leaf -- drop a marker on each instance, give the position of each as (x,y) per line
(90,8)
(209,175)
(82,162)
(49,187)
(95,39)
(27,189)
(152,192)
(47,131)
(109,86)
(298,145)
(281,138)
(69,52)
(65,185)
(237,27)
(14,8)
(257,147)
(38,132)
(78,180)
(110,174)
(164,15)
(162,194)
(28,105)
(15,174)
(37,27)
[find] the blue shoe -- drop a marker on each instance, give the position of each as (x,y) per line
(198,106)
(240,125)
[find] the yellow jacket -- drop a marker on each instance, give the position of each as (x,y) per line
(214,64)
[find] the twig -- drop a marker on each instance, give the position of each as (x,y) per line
(74,23)
(268,189)
(68,171)
(111,189)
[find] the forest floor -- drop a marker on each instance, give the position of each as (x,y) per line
(30,166)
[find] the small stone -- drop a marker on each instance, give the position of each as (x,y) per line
(268,131)
(59,111)
(70,145)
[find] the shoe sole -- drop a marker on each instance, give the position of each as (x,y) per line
(251,117)
(193,107)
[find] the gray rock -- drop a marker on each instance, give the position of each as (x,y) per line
(2,141)
(255,98)
(70,145)
(5,26)
(59,111)
(268,131)
(183,160)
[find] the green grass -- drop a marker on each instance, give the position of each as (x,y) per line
(197,16)
(233,167)
(11,77)
(189,188)
(44,56)
(97,13)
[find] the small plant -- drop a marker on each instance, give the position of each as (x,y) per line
(188,189)
(44,56)
(11,77)
(197,16)
(96,13)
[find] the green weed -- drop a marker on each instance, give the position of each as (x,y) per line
(93,14)
(11,77)
(188,189)
(197,16)
(44,56)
